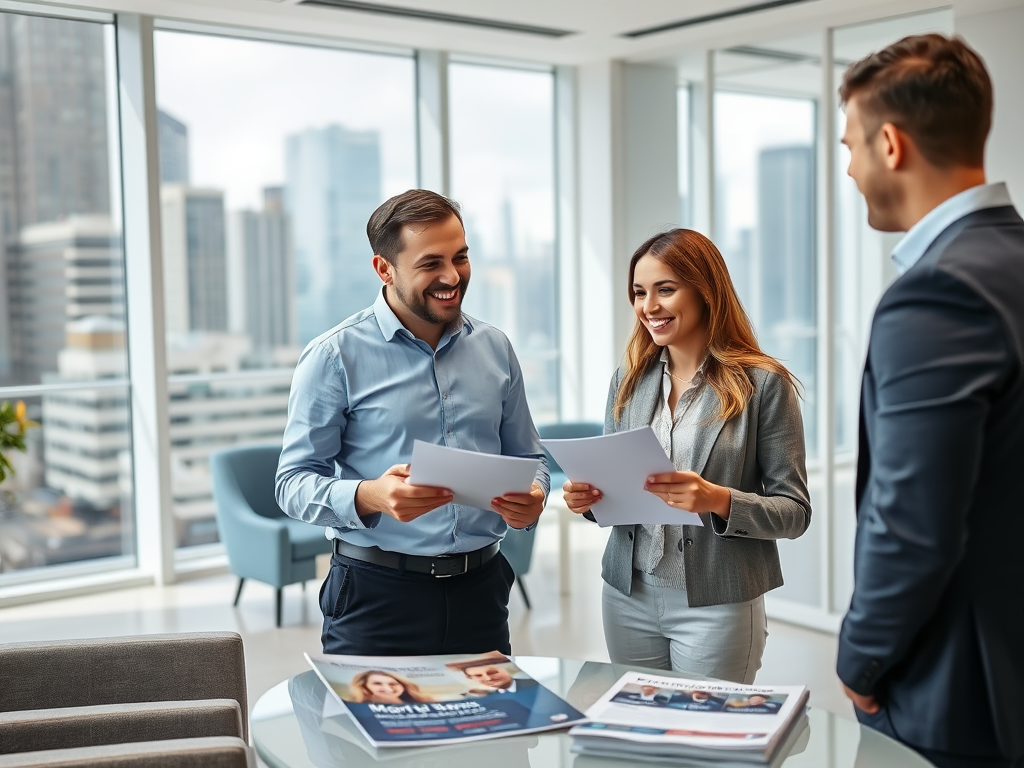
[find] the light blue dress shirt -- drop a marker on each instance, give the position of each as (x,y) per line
(912,247)
(365,390)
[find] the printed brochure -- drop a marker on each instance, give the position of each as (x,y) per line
(413,701)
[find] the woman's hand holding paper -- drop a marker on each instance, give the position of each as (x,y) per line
(690,491)
(580,497)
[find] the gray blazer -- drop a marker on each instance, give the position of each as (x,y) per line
(759,455)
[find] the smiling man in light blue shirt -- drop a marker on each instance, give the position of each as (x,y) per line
(412,572)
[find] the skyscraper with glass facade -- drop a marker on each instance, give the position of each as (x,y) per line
(333,184)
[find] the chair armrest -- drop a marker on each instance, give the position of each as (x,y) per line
(209,752)
(72,727)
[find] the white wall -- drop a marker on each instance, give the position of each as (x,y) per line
(997,37)
(628,189)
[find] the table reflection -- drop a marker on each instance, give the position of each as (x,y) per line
(298,724)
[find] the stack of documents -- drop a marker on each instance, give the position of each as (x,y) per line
(651,717)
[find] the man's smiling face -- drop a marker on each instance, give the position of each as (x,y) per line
(431,273)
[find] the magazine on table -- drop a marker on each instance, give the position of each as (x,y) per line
(666,717)
(413,701)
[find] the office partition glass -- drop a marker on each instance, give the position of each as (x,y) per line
(862,270)
(765,224)
(683,96)
(68,501)
(503,174)
(272,158)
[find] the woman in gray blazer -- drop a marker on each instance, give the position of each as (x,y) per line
(685,597)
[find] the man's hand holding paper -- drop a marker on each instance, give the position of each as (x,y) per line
(504,484)
(394,495)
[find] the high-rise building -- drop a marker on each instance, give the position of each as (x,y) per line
(333,185)
(207,416)
(57,272)
(87,430)
(261,282)
(195,263)
(87,435)
(172,136)
(53,121)
(786,317)
(786,234)
(53,166)
(8,149)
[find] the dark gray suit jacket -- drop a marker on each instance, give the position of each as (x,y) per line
(759,455)
(937,614)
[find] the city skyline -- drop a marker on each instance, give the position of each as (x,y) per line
(232,270)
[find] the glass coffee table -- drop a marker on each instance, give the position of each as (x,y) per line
(290,730)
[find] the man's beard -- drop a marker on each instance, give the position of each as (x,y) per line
(420,308)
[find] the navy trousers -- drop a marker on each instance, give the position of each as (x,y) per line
(370,610)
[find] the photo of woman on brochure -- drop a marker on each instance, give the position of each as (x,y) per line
(373,686)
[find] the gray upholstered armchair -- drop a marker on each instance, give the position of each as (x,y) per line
(262,542)
(143,702)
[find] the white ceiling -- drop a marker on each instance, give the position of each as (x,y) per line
(598,25)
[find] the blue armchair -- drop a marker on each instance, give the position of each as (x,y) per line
(261,541)
(517,547)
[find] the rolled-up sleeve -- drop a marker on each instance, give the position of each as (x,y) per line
(307,485)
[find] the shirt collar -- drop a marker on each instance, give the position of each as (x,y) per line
(389,323)
(920,236)
(697,375)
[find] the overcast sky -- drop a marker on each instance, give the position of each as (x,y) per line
(240,99)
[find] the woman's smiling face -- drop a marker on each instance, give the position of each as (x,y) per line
(671,309)
(384,686)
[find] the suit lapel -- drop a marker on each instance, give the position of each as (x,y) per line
(641,410)
(711,426)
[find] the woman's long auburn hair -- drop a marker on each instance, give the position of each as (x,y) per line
(732,345)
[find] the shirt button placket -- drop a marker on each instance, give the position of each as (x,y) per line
(446,415)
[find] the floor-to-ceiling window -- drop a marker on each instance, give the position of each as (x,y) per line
(683,97)
(862,270)
(765,224)
(809,275)
(272,158)
(503,174)
(67,500)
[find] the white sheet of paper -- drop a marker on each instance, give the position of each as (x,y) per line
(618,465)
(474,478)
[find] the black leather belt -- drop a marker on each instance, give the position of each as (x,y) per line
(440,566)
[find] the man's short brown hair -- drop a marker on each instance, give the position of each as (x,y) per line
(933,88)
(416,206)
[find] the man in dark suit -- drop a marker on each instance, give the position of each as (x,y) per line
(935,609)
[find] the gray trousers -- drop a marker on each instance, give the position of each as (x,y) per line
(655,627)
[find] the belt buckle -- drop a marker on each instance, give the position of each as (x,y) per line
(448,566)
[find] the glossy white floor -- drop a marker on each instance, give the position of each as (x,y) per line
(558,625)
